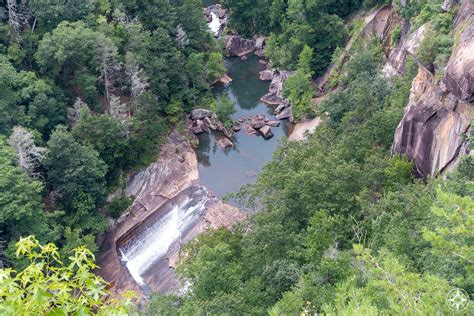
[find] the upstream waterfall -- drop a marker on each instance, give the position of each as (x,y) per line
(215,24)
(152,242)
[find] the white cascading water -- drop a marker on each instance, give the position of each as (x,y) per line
(153,242)
(215,24)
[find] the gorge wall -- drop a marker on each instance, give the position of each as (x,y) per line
(435,128)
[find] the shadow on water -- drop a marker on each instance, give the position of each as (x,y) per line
(206,3)
(224,171)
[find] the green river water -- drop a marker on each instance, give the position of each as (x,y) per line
(226,171)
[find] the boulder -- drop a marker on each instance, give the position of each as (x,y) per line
(238,46)
(266,132)
(194,141)
(224,142)
(263,62)
(266,75)
(225,80)
(280,108)
(250,173)
(200,124)
(220,126)
(260,117)
(196,130)
(260,53)
(228,132)
(259,42)
(236,128)
(244,57)
(273,123)
(257,124)
(285,114)
(275,91)
(209,123)
(200,114)
(249,130)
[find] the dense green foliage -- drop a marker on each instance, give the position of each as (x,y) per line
(342,227)
(93,87)
(49,287)
(294,24)
(338,226)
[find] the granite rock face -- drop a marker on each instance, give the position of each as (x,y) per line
(433,130)
(437,120)
(459,74)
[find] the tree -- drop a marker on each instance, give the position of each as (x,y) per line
(305,60)
(49,13)
(452,233)
(297,89)
(108,65)
(29,156)
(21,209)
(196,72)
(136,76)
(192,23)
(224,109)
(74,169)
(105,135)
(48,286)
(390,289)
(215,67)
(28,101)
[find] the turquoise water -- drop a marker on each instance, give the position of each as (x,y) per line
(227,171)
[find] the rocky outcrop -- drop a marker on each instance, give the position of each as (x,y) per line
(378,23)
(238,46)
(408,44)
(433,131)
(275,91)
(459,74)
(157,189)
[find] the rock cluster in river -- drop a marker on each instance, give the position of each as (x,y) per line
(204,121)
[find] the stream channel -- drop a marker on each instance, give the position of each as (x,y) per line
(224,171)
(146,249)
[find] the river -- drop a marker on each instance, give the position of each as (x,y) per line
(224,171)
(148,243)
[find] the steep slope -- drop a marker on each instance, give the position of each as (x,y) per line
(437,121)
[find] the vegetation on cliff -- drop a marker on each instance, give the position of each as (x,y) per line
(88,91)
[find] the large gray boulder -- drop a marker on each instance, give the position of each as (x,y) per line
(200,114)
(238,46)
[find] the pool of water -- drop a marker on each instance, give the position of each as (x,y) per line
(206,3)
(224,171)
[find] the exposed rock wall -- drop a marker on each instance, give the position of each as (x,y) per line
(173,176)
(433,132)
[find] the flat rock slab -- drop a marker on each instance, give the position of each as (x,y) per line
(300,129)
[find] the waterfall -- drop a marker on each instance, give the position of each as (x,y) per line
(215,24)
(153,242)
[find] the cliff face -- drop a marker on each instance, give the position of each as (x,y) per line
(433,132)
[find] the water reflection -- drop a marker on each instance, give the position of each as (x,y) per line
(227,170)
